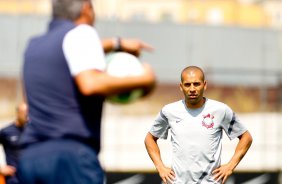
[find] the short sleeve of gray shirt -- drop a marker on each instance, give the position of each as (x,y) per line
(160,127)
(232,125)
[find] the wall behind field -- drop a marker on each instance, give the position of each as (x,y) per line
(231,55)
(245,60)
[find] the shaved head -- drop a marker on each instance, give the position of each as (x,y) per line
(193,85)
(193,70)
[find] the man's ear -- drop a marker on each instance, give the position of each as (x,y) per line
(180,86)
(85,11)
(84,8)
(205,85)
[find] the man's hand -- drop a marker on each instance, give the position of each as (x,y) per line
(167,175)
(7,170)
(222,173)
(134,46)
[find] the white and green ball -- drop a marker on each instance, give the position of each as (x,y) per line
(122,64)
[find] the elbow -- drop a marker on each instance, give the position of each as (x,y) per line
(146,139)
(251,140)
(248,137)
(150,138)
(88,90)
(90,83)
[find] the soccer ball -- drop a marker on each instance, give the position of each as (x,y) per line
(122,64)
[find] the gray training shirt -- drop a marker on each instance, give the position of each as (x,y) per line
(196,136)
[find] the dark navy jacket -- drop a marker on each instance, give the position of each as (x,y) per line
(56,108)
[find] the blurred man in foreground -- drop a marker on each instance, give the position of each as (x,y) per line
(9,138)
(65,85)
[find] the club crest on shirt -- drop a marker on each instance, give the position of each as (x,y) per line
(208,121)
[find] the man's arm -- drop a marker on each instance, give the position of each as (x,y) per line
(132,46)
(92,82)
(224,171)
(153,150)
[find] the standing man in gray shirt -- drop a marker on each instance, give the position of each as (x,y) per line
(196,124)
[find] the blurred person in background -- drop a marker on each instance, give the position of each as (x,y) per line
(196,124)
(10,139)
(65,86)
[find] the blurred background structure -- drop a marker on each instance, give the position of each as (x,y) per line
(237,42)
